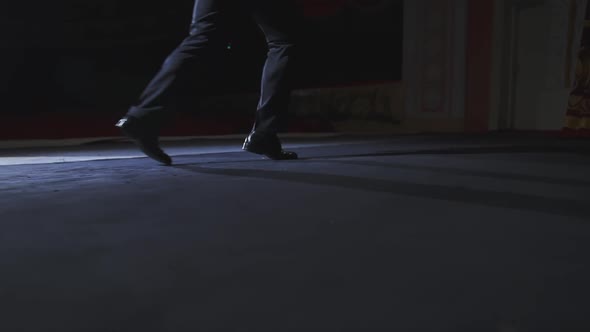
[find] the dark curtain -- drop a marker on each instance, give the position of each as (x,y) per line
(96,55)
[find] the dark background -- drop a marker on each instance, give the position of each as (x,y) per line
(98,55)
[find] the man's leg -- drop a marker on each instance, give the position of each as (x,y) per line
(279,21)
(143,121)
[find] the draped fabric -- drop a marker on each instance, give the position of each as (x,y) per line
(319,8)
(315,8)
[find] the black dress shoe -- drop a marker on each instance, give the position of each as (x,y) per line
(267,146)
(145,137)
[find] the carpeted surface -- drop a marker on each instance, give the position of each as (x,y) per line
(408,233)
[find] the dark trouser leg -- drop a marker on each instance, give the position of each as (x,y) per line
(278,20)
(187,60)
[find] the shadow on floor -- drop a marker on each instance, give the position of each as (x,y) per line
(556,206)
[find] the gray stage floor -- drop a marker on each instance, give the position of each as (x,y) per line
(414,233)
